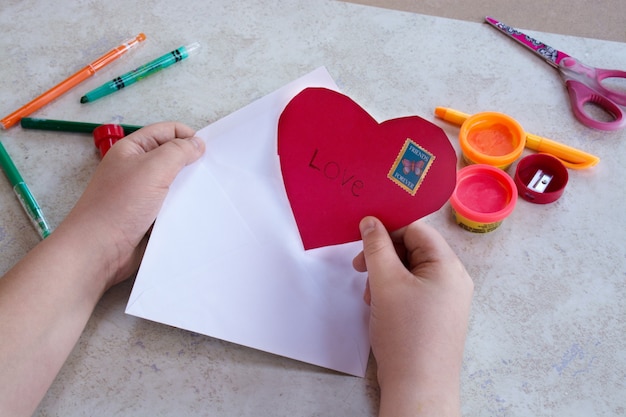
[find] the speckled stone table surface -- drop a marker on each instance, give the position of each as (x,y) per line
(547,330)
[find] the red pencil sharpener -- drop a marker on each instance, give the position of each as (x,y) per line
(540,178)
(105,136)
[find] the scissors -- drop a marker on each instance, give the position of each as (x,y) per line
(584,83)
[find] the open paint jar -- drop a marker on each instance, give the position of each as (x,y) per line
(484,196)
(491,138)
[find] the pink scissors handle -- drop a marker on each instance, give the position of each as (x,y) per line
(603,74)
(580,94)
(584,86)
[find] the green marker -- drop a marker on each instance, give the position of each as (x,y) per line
(67,126)
(142,72)
(26,198)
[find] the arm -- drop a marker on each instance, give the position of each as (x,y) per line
(47,297)
(420,296)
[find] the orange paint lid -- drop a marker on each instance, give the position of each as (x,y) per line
(492,138)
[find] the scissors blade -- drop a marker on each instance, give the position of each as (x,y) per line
(549,54)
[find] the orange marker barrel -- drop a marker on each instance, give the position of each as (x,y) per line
(60,89)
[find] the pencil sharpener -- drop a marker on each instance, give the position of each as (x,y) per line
(105,136)
(540,178)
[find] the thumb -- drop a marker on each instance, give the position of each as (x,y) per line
(180,152)
(378,250)
(170,157)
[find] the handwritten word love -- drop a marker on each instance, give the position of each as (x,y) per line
(333,171)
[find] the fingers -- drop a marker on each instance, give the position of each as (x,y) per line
(424,244)
(169,146)
(151,137)
(430,256)
(367,294)
(417,244)
(177,153)
(378,249)
(358,263)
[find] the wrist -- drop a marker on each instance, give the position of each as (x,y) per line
(427,385)
(46,300)
(423,397)
(84,255)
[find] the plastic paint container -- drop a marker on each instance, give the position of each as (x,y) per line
(491,138)
(541,178)
(484,196)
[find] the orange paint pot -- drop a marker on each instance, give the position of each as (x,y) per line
(483,197)
(491,138)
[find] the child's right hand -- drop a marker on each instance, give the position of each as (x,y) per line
(420,296)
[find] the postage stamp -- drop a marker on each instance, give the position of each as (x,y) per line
(411,166)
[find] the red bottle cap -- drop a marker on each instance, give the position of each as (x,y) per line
(106,135)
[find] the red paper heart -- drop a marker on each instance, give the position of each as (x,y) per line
(340,165)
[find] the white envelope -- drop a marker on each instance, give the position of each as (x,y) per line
(225,258)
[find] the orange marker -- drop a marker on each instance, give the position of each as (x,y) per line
(71,82)
(571,157)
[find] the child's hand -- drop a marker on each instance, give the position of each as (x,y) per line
(420,296)
(125,194)
(48,296)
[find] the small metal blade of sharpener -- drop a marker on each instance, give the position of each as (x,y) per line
(540,181)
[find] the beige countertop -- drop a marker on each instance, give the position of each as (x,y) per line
(604,19)
(547,329)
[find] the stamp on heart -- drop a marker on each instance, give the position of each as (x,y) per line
(411,166)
